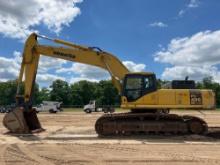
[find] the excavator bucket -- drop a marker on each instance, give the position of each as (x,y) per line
(21,122)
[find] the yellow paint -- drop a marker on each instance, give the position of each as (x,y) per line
(172,99)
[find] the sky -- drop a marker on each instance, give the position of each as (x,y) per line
(172,38)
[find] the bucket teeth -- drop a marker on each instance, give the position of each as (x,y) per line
(32,120)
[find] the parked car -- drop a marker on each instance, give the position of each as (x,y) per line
(7,108)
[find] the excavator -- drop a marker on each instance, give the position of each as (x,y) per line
(149,107)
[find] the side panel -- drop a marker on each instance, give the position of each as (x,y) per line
(166,97)
(151,98)
(208,98)
(182,97)
(174,99)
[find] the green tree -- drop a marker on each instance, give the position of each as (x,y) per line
(43,95)
(7,92)
(208,83)
(60,92)
(107,94)
(103,92)
(82,92)
(160,83)
(76,98)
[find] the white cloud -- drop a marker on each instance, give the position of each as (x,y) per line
(158,24)
(18,18)
(48,63)
(77,79)
(86,72)
(181,12)
(10,67)
(50,69)
(190,5)
(134,67)
(202,47)
(48,78)
(193,4)
(45,63)
(92,73)
(195,56)
(194,72)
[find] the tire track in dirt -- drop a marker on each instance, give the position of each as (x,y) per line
(81,153)
(167,156)
(55,155)
(30,152)
(183,157)
(57,161)
(14,154)
(109,149)
(133,151)
(58,155)
(2,154)
(112,147)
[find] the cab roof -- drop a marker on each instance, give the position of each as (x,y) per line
(141,73)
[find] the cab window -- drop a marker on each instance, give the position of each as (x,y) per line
(148,82)
(135,86)
(134,83)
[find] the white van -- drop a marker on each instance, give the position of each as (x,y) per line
(51,106)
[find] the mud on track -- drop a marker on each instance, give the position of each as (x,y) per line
(70,139)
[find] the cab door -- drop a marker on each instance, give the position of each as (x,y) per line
(138,85)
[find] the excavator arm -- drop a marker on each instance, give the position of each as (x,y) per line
(70,52)
(28,120)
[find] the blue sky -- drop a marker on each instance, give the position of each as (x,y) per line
(171,38)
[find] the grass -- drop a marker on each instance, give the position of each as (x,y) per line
(117,110)
(81,110)
(73,109)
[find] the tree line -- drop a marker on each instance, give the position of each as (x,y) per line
(80,93)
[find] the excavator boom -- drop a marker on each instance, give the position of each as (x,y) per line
(71,52)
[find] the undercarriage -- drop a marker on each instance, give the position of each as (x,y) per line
(130,123)
(149,123)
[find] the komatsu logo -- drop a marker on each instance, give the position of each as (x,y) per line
(64,54)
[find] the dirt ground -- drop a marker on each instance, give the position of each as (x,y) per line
(70,138)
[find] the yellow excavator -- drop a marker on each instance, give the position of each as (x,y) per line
(149,106)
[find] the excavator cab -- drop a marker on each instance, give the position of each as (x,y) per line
(138,84)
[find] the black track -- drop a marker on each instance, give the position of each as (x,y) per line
(148,123)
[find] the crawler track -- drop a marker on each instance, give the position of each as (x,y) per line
(149,123)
